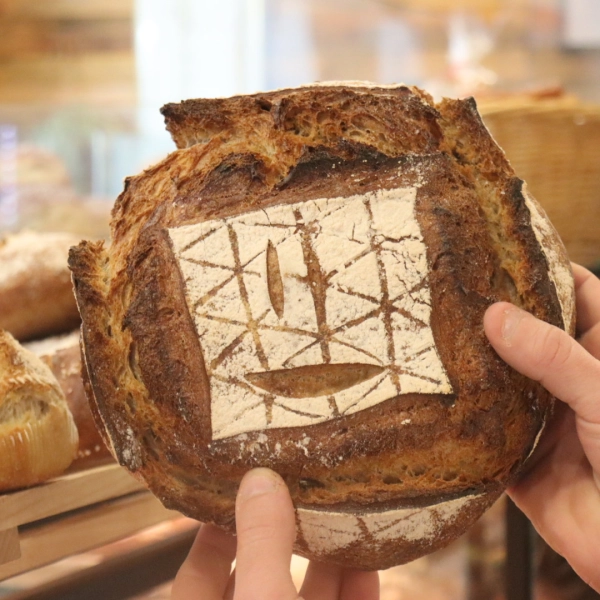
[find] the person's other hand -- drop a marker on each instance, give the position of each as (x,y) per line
(266,530)
(560,491)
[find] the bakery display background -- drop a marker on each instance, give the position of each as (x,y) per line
(67,140)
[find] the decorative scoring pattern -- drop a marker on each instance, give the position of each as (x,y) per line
(355,291)
(326,532)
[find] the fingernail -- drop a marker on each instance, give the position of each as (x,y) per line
(257,483)
(512,317)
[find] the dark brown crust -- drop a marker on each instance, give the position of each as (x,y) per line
(90,288)
(145,361)
(170,358)
(391,109)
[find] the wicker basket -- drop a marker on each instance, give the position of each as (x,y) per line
(554,145)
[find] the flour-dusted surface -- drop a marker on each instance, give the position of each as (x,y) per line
(375,297)
(560,274)
(327,531)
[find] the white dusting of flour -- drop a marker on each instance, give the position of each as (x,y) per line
(326,532)
(370,250)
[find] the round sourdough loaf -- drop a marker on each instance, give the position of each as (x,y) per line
(301,286)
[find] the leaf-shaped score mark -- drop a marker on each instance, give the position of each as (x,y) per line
(311,381)
(274,280)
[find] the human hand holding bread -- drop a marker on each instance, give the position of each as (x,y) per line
(263,551)
(560,491)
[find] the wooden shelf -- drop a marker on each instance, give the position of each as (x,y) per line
(71,514)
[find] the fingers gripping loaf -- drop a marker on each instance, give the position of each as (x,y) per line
(301,286)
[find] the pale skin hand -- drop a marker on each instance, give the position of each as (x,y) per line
(560,492)
(265,535)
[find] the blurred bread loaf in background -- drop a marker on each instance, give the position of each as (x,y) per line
(36,294)
(38,437)
(37,306)
(47,198)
